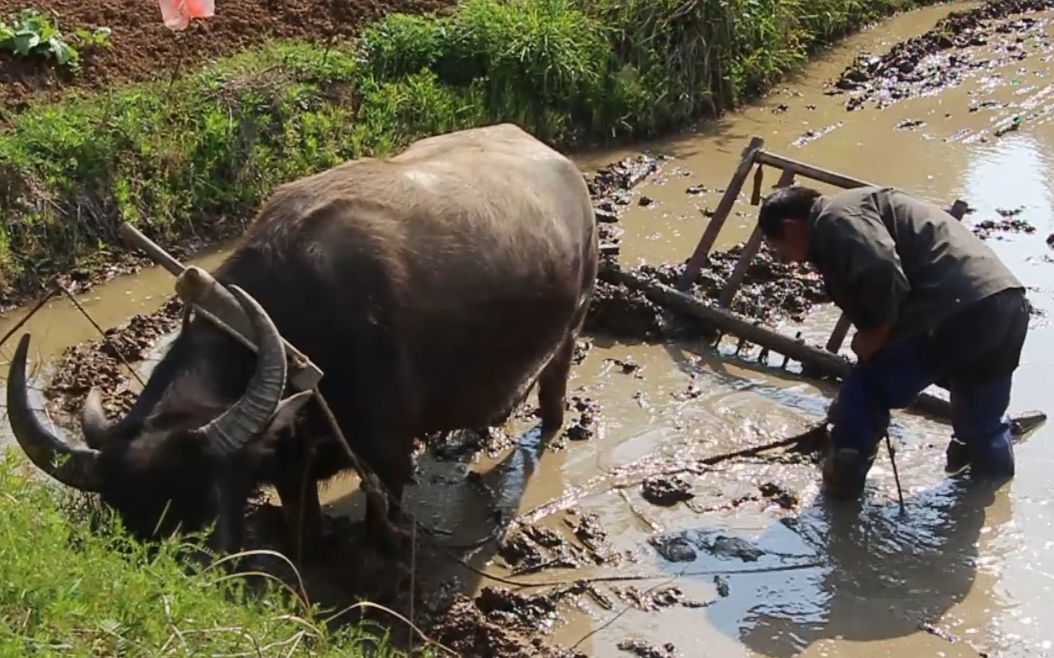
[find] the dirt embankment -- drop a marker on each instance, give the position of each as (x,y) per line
(141,47)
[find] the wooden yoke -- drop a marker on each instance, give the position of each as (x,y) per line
(207,297)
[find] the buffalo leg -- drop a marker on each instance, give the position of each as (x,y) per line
(552,387)
(302,510)
(393,470)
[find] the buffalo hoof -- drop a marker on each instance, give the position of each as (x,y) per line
(389,538)
(552,421)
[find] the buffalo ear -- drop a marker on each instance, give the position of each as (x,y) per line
(283,418)
(285,415)
(281,423)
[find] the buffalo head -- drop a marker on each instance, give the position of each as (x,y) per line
(179,471)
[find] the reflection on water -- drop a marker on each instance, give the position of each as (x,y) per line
(976,565)
(885,572)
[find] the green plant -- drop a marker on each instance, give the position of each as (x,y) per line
(73,583)
(31,33)
(540,63)
(194,157)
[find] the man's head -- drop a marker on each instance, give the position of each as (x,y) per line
(784,221)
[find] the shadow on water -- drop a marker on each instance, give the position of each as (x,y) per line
(881,573)
(467,506)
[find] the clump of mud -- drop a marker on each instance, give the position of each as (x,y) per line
(667,597)
(617,310)
(528,548)
(778,494)
(462,444)
(500,622)
(582,349)
(643,649)
(993,227)
(611,189)
(772,290)
(666,490)
(589,533)
(1009,222)
(585,427)
(683,546)
(101,363)
(938,58)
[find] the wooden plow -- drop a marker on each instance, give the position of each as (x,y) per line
(816,361)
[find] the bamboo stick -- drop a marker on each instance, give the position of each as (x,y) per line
(750,249)
(724,208)
(810,171)
(197,288)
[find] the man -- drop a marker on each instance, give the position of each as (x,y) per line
(931,303)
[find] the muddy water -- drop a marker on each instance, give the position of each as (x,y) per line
(830,581)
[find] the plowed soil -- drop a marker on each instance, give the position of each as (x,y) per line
(142,47)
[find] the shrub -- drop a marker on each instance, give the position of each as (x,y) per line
(539,63)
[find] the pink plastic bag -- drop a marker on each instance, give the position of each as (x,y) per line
(177,13)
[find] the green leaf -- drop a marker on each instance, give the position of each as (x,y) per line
(25,43)
(62,52)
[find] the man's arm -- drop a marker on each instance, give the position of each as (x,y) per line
(861,256)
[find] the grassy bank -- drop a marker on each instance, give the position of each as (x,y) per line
(65,590)
(196,155)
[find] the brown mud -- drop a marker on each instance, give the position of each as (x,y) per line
(940,57)
(106,364)
(141,47)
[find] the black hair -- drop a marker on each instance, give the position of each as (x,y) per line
(794,202)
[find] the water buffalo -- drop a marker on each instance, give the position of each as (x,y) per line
(433,288)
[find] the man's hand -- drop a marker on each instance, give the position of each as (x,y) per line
(868,341)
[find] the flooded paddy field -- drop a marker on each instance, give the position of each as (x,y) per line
(633,546)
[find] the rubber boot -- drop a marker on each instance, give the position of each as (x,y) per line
(993,458)
(844,473)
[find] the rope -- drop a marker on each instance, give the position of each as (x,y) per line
(102,333)
(33,311)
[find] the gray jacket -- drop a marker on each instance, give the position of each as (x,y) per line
(888,258)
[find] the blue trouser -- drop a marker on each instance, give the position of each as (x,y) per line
(973,354)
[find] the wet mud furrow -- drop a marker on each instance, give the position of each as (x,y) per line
(985,37)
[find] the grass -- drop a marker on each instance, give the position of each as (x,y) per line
(195,156)
(70,591)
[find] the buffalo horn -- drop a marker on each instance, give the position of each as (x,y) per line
(232,429)
(76,467)
(94,424)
